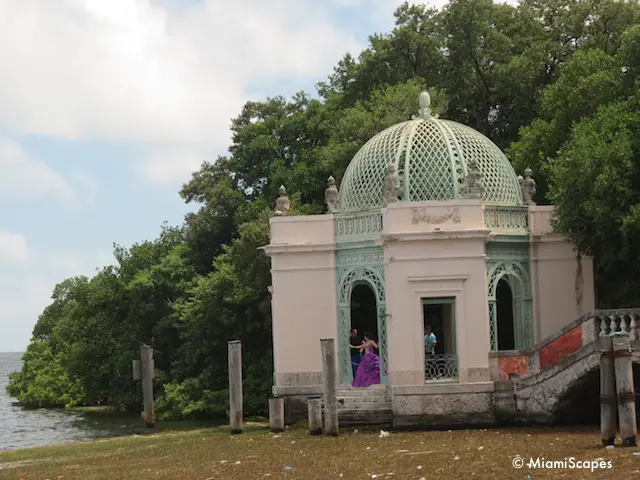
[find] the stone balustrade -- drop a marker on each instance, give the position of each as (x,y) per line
(511,364)
(619,322)
(500,217)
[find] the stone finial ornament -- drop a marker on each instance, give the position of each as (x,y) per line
(391,184)
(331,195)
(528,186)
(474,187)
(425,107)
(282,203)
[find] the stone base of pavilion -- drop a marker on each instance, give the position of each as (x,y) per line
(438,404)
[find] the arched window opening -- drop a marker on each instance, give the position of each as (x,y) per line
(506,324)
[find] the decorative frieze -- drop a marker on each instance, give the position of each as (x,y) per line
(420,215)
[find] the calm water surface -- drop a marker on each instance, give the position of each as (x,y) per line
(20,428)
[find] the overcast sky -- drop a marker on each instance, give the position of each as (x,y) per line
(107,106)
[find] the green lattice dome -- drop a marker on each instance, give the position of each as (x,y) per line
(431,156)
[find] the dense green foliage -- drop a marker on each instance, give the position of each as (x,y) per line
(553,82)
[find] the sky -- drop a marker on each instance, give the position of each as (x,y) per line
(108,106)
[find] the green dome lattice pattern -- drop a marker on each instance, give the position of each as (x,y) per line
(431,157)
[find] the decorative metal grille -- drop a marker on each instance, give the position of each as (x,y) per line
(358,226)
(508,218)
(431,158)
(440,366)
(498,176)
(357,266)
(511,262)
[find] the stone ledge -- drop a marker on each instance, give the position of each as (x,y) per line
(443,389)
(298,379)
(460,420)
(299,390)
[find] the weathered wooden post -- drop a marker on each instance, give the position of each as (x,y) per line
(147,368)
(608,404)
(327,347)
(625,390)
(276,414)
(314,410)
(235,386)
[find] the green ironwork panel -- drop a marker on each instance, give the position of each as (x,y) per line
(354,266)
(508,249)
(357,227)
(361,185)
(511,262)
(501,217)
(498,176)
(431,157)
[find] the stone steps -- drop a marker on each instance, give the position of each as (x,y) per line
(364,406)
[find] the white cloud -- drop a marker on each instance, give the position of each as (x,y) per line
(26,288)
(23,176)
(149,71)
(129,70)
(172,165)
(13,249)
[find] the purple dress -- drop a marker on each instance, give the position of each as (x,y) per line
(368,372)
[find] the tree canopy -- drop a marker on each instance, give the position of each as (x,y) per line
(552,82)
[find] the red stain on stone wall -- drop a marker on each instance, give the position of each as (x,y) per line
(561,348)
(513,365)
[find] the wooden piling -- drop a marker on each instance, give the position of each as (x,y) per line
(625,390)
(235,386)
(146,371)
(276,414)
(314,410)
(608,404)
(327,347)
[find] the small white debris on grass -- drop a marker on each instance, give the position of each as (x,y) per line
(480,448)
(276,436)
(609,447)
(456,457)
(402,451)
(368,448)
(419,467)
(383,434)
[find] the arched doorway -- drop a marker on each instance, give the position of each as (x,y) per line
(364,315)
(510,313)
(364,319)
(355,285)
(505,320)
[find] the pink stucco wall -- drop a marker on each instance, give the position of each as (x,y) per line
(556,278)
(422,262)
(304,291)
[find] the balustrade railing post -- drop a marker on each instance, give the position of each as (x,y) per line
(625,390)
(608,404)
(633,333)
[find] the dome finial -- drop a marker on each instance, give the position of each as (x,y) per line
(425,107)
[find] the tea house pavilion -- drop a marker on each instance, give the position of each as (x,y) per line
(430,224)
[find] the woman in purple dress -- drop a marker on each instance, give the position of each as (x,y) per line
(368,372)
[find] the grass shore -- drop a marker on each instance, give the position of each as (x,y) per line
(209,454)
